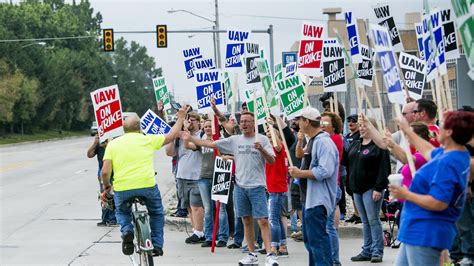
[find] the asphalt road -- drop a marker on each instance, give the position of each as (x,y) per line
(49,210)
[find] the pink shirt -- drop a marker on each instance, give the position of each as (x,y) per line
(405,171)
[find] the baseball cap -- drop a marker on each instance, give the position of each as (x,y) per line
(353,118)
(309,113)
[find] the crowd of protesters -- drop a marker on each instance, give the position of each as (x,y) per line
(304,178)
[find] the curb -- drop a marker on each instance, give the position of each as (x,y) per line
(183,224)
(38,141)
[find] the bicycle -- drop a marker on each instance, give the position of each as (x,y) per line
(142,241)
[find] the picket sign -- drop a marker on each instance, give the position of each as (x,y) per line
(151,123)
(108,112)
(255,112)
(384,50)
(414,72)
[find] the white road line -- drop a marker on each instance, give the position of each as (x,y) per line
(45,184)
(78,172)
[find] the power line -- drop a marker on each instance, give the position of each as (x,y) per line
(48,39)
(291,18)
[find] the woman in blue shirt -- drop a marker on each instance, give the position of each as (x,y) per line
(436,196)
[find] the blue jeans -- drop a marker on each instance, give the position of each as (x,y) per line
(238,230)
(108,215)
(331,230)
(205,186)
(417,255)
(316,239)
(372,227)
(463,245)
(277,229)
(155,211)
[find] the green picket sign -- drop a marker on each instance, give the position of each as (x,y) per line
(162,94)
(265,79)
(278,72)
(260,110)
(227,87)
(292,101)
(465,22)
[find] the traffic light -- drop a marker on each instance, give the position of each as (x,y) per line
(161,36)
(108,36)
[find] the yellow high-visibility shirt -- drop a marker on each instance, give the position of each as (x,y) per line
(132,160)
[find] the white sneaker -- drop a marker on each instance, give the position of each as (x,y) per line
(271,260)
(250,259)
(465,261)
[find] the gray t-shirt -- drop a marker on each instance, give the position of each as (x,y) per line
(249,162)
(189,161)
(207,166)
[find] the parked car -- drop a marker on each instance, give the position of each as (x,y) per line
(94,128)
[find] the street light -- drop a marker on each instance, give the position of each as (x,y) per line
(215,35)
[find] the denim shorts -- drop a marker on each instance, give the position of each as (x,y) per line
(188,192)
(251,202)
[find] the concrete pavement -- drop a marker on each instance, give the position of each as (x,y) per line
(49,211)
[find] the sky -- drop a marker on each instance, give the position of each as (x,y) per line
(285,16)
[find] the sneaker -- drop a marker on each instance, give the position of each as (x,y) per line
(271,260)
(296,234)
(249,259)
(221,244)
(194,239)
(233,246)
(261,251)
(102,224)
(342,217)
(283,254)
(396,243)
(376,259)
(360,257)
(465,261)
(245,249)
(157,251)
(206,244)
(112,224)
(127,243)
(352,219)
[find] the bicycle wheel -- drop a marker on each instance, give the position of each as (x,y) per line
(146,259)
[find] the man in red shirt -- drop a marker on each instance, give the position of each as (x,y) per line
(425,112)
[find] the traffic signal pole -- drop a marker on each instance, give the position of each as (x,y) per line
(268,31)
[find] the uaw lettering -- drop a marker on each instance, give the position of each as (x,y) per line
(438,36)
(288,83)
(221,182)
(105,96)
(413,70)
(419,38)
(290,69)
(204,64)
(382,12)
(312,31)
(429,47)
(158,82)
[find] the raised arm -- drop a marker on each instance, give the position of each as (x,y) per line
(299,151)
(174,132)
(188,144)
(421,145)
(198,142)
(372,132)
(91,150)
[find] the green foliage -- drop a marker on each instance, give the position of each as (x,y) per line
(47,86)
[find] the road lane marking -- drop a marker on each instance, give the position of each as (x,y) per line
(14,166)
(45,184)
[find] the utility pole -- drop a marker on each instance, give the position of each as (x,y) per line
(217,41)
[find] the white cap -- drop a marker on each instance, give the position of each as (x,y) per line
(309,113)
